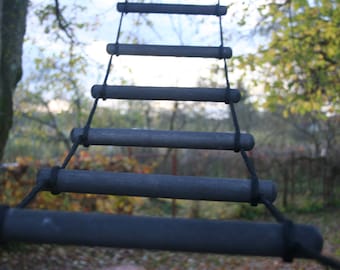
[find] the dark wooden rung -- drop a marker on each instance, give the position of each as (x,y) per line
(172,9)
(164,138)
(165,93)
(192,235)
(165,50)
(153,185)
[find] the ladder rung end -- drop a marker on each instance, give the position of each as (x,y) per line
(155,185)
(192,235)
(164,50)
(164,138)
(165,93)
(172,9)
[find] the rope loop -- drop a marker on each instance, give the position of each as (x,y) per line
(221,52)
(102,92)
(84,138)
(53,180)
(227,98)
(117,49)
(125,7)
(255,195)
(237,144)
(217,9)
(290,245)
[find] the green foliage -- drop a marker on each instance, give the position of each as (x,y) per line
(246,211)
(308,205)
(298,68)
(57,25)
(51,100)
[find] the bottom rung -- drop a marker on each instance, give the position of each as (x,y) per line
(210,236)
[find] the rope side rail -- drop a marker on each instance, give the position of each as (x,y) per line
(291,244)
(83,138)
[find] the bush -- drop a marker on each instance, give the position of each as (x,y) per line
(19,178)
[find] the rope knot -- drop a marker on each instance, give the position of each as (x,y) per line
(237,139)
(84,138)
(255,195)
(217,10)
(289,243)
(54,180)
(116,49)
(102,93)
(221,52)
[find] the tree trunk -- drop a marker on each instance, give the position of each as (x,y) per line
(329,190)
(12,29)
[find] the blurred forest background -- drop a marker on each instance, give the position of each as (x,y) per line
(290,86)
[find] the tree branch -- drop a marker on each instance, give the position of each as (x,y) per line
(62,22)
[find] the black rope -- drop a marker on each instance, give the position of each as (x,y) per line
(291,246)
(288,231)
(254,191)
(119,29)
(289,242)
(108,69)
(82,139)
(255,186)
(237,147)
(273,210)
(53,180)
(71,153)
(325,260)
(31,195)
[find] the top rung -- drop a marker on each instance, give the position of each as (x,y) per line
(216,10)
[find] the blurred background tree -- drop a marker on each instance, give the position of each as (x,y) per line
(298,67)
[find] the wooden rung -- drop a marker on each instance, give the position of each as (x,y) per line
(165,93)
(165,50)
(192,235)
(154,185)
(172,9)
(164,138)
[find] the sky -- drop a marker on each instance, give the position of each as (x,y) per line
(157,70)
(167,29)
